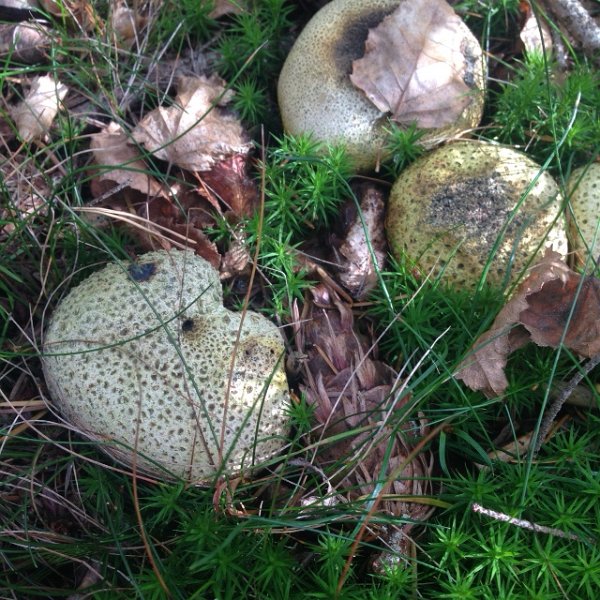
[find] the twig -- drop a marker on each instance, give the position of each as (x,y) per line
(579,23)
(498,516)
(558,402)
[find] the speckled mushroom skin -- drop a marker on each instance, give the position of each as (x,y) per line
(450,207)
(141,357)
(584,212)
(317,97)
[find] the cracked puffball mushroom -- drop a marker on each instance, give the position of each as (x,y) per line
(358,64)
(142,359)
(463,203)
(584,212)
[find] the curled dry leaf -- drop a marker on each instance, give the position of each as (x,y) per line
(535,35)
(553,305)
(417,65)
(24,42)
(195,132)
(226,7)
(229,181)
(357,402)
(80,12)
(125,24)
(35,113)
(363,250)
(111,148)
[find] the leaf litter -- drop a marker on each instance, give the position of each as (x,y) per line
(414,65)
(553,306)
(361,427)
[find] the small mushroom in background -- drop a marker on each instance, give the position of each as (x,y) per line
(584,212)
(140,358)
(460,204)
(359,64)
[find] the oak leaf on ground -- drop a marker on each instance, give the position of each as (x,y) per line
(414,65)
(34,115)
(119,163)
(194,132)
(553,305)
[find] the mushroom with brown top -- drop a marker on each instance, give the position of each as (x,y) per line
(147,360)
(470,203)
(316,94)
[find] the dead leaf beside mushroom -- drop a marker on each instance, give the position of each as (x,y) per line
(535,34)
(553,306)
(416,65)
(363,250)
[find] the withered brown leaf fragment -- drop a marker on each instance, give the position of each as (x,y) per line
(24,42)
(568,308)
(551,305)
(356,398)
(414,66)
(111,147)
(195,132)
(363,249)
(229,180)
(34,115)
(535,34)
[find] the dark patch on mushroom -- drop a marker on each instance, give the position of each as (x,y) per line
(478,206)
(141,272)
(351,45)
(188,325)
(471,64)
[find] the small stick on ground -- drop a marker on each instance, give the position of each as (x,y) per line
(558,402)
(579,24)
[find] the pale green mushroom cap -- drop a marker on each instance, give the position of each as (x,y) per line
(449,209)
(141,358)
(316,95)
(584,213)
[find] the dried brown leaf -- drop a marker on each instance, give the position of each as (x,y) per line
(80,12)
(34,115)
(414,66)
(551,305)
(535,35)
(125,24)
(364,241)
(227,7)
(195,132)
(111,147)
(24,42)
(567,311)
(229,180)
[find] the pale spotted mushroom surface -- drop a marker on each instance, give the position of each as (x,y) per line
(462,203)
(584,212)
(317,97)
(141,357)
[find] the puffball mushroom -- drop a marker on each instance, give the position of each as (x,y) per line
(141,358)
(317,97)
(450,208)
(582,218)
